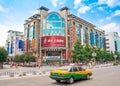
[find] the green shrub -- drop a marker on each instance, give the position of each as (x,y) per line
(24,58)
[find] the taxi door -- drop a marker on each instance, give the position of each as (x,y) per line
(76,73)
(82,72)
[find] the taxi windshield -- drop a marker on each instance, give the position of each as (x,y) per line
(65,68)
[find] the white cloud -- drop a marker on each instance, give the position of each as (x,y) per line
(101,20)
(113,3)
(108,18)
(78,14)
(101,1)
(3,35)
(117,13)
(110,3)
(1,9)
(111,27)
(83,9)
(54,2)
(4,10)
(76,3)
(5,28)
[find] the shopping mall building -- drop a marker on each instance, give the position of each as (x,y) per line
(52,35)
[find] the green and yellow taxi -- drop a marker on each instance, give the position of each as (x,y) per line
(70,73)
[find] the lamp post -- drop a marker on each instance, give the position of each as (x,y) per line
(61,58)
(115,56)
(94,55)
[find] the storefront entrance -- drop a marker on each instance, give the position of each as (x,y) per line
(53,55)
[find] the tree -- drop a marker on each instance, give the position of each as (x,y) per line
(77,52)
(24,58)
(84,53)
(87,51)
(3,56)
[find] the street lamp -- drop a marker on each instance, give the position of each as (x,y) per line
(115,56)
(94,55)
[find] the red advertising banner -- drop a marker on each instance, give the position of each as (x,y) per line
(53,41)
(33,43)
(26,45)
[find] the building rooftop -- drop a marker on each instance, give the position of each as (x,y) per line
(64,8)
(34,16)
(14,31)
(43,8)
(73,16)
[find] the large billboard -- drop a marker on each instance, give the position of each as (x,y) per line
(53,41)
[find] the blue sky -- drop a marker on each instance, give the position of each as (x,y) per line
(105,14)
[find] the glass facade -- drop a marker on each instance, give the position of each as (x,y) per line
(26,33)
(115,42)
(88,36)
(92,38)
(84,36)
(101,42)
(77,30)
(21,45)
(53,25)
(31,35)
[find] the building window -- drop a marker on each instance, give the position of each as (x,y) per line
(92,38)
(107,47)
(107,39)
(53,25)
(96,38)
(115,45)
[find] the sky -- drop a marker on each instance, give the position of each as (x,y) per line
(105,14)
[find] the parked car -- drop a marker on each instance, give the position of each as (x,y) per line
(70,73)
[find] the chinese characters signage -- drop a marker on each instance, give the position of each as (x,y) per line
(53,41)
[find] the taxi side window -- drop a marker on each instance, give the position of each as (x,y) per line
(80,68)
(71,70)
(75,69)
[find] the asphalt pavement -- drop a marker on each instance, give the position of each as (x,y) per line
(103,76)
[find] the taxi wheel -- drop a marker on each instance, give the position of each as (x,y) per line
(70,80)
(58,81)
(88,77)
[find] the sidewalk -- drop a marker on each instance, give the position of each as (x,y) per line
(24,71)
(33,71)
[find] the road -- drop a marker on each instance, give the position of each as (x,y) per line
(107,76)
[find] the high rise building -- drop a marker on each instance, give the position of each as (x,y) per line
(52,35)
(112,42)
(15,43)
